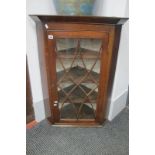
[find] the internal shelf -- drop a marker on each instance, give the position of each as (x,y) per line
(77,95)
(76,74)
(82,52)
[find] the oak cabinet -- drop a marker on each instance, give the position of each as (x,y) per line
(79,58)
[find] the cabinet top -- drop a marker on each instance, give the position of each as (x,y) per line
(79,19)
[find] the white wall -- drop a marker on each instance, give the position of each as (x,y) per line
(102,8)
(117,8)
(36,7)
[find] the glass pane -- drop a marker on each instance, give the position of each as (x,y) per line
(78,69)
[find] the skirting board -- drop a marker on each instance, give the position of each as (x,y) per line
(116,106)
(41,110)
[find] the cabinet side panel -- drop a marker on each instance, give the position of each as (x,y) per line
(114,48)
(44,66)
(108,71)
(53,79)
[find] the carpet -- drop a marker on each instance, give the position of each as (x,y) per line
(111,139)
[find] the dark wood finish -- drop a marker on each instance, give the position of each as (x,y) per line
(77,27)
(83,34)
(29,103)
(114,46)
(81,19)
(105,28)
(77,34)
(80,123)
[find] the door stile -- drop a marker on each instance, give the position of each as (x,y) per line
(53,94)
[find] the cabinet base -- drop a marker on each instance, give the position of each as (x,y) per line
(75,123)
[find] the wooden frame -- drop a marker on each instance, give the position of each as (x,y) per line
(29,102)
(63,26)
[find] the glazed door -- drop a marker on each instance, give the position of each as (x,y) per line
(77,75)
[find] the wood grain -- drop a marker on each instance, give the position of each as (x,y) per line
(29,102)
(104,28)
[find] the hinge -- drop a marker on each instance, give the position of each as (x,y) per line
(50,36)
(55,103)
